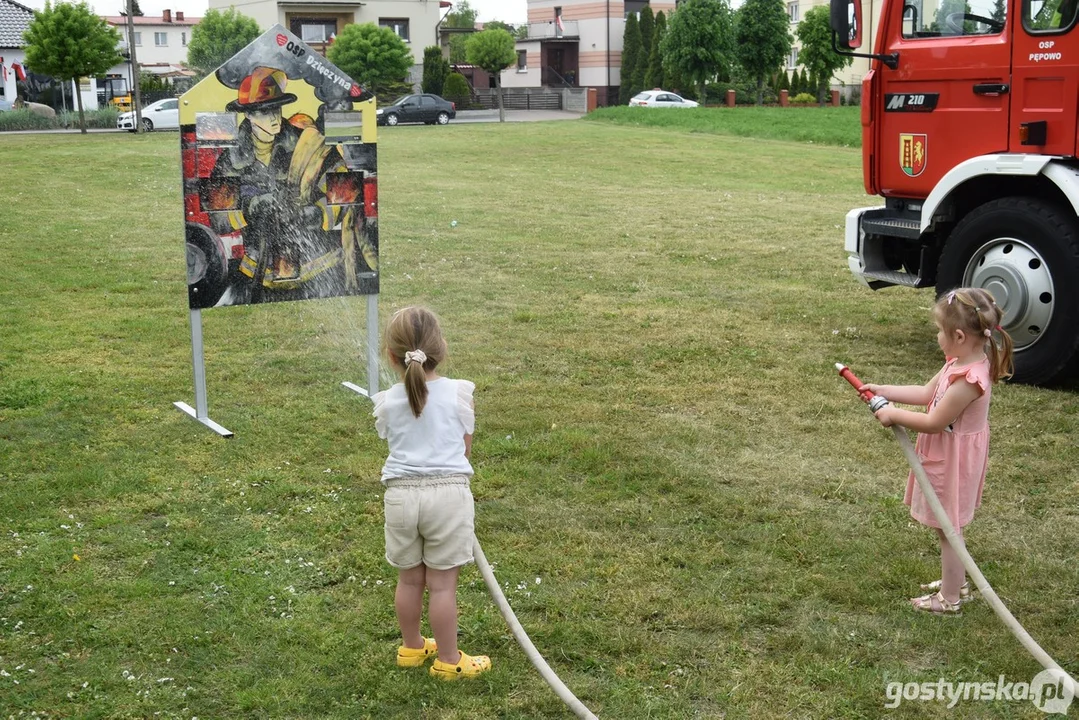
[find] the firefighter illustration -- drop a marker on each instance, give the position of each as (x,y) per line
(301,227)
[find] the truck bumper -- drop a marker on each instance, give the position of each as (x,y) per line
(852,243)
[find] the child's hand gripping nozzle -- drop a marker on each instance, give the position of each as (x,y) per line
(875,402)
(1053,672)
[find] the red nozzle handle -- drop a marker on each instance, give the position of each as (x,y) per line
(850,377)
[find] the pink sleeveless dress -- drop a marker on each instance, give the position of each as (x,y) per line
(955,461)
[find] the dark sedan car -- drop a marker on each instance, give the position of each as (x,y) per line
(429,109)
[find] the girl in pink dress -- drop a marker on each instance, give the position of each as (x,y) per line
(953,432)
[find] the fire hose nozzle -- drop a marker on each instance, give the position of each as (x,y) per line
(876,402)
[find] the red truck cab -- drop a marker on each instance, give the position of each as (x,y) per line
(969,134)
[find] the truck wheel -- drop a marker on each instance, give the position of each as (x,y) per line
(207,269)
(1026,253)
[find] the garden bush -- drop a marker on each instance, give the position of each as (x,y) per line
(97,119)
(25,120)
(804,99)
(745,93)
(457,91)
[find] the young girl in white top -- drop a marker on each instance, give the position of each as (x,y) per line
(428,422)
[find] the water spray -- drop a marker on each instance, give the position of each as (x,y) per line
(876,402)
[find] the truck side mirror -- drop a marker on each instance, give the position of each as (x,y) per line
(847,23)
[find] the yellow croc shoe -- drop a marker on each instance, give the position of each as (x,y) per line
(469,666)
(414,657)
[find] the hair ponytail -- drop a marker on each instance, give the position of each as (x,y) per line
(1001,364)
(416,386)
(414,341)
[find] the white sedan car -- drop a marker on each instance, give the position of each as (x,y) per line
(163,114)
(660,98)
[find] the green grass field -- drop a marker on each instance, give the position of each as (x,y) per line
(693,516)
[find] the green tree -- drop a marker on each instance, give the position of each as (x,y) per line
(653,78)
(631,49)
(762,39)
(784,82)
(68,41)
(646,25)
(816,55)
(494,51)
(699,41)
(435,70)
(136,11)
(218,36)
(373,56)
(463,16)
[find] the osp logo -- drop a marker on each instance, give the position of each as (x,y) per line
(282,39)
(355,91)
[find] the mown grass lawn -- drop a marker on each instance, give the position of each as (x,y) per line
(692,515)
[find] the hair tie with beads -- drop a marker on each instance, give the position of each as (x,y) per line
(988,332)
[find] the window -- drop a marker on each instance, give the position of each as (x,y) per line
(138,39)
(522,60)
(183,39)
(792,11)
(317,31)
(427,101)
(952,18)
(161,39)
(792,61)
(398,25)
(1048,15)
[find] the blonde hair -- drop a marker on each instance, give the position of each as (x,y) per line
(411,329)
(975,312)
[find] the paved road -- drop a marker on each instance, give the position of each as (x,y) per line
(467,116)
(464,116)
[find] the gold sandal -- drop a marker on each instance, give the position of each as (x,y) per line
(965,594)
(936,604)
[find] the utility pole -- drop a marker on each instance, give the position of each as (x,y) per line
(136,94)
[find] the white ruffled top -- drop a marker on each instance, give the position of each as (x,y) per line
(434,442)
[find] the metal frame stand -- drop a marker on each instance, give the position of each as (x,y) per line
(199,412)
(372,351)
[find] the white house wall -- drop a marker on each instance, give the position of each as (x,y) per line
(10,56)
(531,75)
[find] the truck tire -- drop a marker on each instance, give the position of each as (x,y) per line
(1026,253)
(207,269)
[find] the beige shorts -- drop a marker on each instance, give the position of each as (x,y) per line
(429,520)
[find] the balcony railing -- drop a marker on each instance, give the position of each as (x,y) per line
(551,31)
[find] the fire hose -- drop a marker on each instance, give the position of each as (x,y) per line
(876,402)
(519,634)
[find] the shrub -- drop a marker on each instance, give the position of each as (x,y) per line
(94,119)
(457,91)
(804,99)
(745,93)
(25,120)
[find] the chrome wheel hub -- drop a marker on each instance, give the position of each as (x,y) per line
(1019,279)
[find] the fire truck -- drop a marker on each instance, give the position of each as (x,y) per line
(969,134)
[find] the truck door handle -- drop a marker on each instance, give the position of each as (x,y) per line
(990,89)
